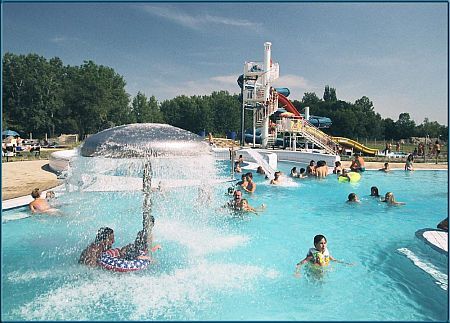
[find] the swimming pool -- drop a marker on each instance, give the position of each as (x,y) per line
(216,265)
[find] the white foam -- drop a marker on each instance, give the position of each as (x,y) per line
(441,278)
(144,297)
(200,240)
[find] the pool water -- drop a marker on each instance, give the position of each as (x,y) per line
(219,265)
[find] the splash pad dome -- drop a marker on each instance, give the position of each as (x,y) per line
(144,140)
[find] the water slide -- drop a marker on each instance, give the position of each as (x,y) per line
(287,104)
(355,145)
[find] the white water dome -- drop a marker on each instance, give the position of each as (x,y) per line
(144,140)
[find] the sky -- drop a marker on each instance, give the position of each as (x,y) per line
(393,53)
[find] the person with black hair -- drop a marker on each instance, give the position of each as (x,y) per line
(374,191)
(103,241)
(318,256)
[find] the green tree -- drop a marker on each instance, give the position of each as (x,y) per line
(405,126)
(329,95)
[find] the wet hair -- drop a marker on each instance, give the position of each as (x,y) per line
(35,193)
(374,191)
(103,234)
(302,170)
(140,244)
(337,163)
(386,164)
(294,169)
(352,197)
(249,174)
(319,238)
(311,162)
(321,163)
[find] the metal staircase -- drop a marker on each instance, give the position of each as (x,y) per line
(318,137)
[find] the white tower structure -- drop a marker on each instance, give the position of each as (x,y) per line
(257,92)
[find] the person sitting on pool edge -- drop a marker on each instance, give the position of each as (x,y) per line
(103,241)
(353,198)
(390,200)
(318,256)
(358,164)
(40,205)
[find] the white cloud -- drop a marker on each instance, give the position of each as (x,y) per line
(196,21)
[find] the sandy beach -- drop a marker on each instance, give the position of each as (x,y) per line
(20,178)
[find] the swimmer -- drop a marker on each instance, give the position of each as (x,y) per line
(235,203)
(237,167)
(344,174)
(302,173)
(321,169)
(390,200)
(103,241)
(294,172)
(311,168)
(244,206)
(139,249)
(318,256)
(386,168)
(40,205)
(251,185)
(276,180)
(353,198)
(374,191)
(337,167)
(260,170)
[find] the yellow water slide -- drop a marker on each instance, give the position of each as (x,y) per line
(355,145)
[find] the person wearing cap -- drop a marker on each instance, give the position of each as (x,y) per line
(103,241)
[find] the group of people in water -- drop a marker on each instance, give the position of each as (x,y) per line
(389,198)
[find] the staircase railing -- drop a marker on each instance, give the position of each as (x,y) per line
(318,137)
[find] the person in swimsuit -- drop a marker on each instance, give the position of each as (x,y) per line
(385,168)
(409,163)
(251,185)
(437,150)
(390,200)
(353,198)
(311,168)
(40,205)
(321,170)
(374,191)
(244,206)
(276,180)
(317,256)
(103,241)
(337,167)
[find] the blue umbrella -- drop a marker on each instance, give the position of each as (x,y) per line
(8,133)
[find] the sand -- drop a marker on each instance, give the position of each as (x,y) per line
(21,177)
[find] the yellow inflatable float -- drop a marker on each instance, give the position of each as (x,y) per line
(352,177)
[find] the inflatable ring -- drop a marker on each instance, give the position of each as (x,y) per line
(110,260)
(354,177)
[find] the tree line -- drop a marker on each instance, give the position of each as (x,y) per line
(44,96)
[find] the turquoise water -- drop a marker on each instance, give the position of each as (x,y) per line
(216,265)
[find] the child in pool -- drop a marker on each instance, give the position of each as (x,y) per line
(318,256)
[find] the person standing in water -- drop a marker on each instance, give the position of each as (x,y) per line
(317,256)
